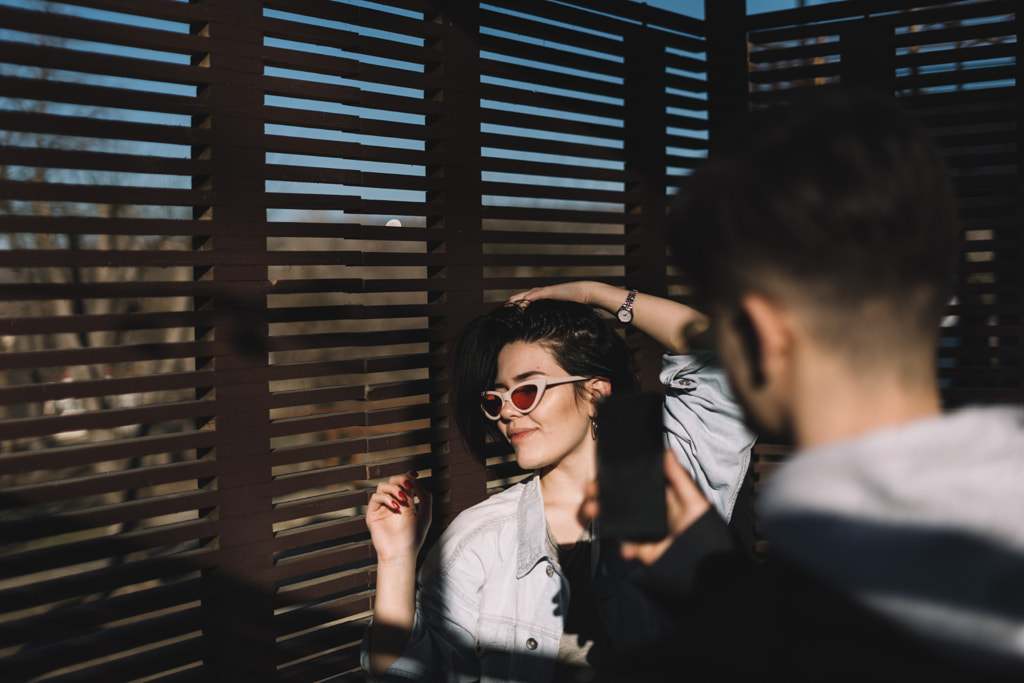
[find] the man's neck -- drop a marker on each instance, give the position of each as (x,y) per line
(834,404)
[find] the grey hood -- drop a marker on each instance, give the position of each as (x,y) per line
(922,523)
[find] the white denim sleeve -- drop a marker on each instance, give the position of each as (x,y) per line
(441,645)
(704,426)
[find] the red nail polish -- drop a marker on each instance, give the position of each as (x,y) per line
(408,484)
(401,494)
(396,505)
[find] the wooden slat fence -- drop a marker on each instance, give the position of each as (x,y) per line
(237,238)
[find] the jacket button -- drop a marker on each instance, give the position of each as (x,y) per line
(531,644)
(550,570)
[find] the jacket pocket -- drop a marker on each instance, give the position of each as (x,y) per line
(494,646)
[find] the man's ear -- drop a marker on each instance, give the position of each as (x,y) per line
(765,328)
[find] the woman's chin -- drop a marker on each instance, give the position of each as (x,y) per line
(525,461)
(528,461)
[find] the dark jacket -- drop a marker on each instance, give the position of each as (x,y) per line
(897,555)
(770,621)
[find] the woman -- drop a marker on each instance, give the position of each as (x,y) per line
(517,588)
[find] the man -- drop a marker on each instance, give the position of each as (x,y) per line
(822,239)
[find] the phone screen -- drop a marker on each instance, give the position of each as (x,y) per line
(630,467)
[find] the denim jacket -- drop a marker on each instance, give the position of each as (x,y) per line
(491,599)
(704,426)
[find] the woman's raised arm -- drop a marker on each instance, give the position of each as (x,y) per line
(674,325)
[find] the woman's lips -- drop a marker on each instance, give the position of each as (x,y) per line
(519,435)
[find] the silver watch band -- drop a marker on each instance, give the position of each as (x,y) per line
(625,312)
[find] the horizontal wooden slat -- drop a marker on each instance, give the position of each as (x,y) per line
(132,477)
(74,620)
(554,58)
(124,639)
(105,97)
(851,13)
(108,65)
(360,16)
(530,144)
(100,581)
(42,459)
(326,533)
(171,320)
(325,560)
(531,76)
(100,161)
(99,549)
(604,17)
(550,32)
(530,98)
(80,126)
(550,124)
(81,28)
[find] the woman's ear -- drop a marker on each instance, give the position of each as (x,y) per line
(599,387)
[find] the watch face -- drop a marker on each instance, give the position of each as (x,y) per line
(625,315)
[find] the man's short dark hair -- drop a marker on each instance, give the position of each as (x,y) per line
(839,197)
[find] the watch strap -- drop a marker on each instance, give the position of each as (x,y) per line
(626,310)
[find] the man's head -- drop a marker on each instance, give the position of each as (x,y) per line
(836,210)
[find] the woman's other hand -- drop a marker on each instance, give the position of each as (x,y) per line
(398,517)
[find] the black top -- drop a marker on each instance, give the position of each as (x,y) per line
(583,625)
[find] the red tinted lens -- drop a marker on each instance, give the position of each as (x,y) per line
(523,397)
(492,405)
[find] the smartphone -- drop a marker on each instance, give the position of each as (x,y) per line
(630,467)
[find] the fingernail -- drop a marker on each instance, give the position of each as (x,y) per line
(401,494)
(396,505)
(408,484)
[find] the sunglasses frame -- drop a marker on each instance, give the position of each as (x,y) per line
(542,383)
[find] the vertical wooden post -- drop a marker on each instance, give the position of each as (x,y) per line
(645,142)
(239,594)
(1017,234)
(868,56)
(728,79)
(455,133)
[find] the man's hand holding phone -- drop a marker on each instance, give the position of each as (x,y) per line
(684,504)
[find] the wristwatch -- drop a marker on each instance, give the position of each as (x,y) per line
(625,312)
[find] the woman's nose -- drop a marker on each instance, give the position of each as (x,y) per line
(508,410)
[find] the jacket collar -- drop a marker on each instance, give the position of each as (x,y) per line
(532,528)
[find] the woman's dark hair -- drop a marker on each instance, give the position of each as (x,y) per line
(581,341)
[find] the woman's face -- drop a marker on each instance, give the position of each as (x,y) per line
(558,426)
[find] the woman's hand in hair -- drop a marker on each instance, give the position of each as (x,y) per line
(676,326)
(583,291)
(398,517)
